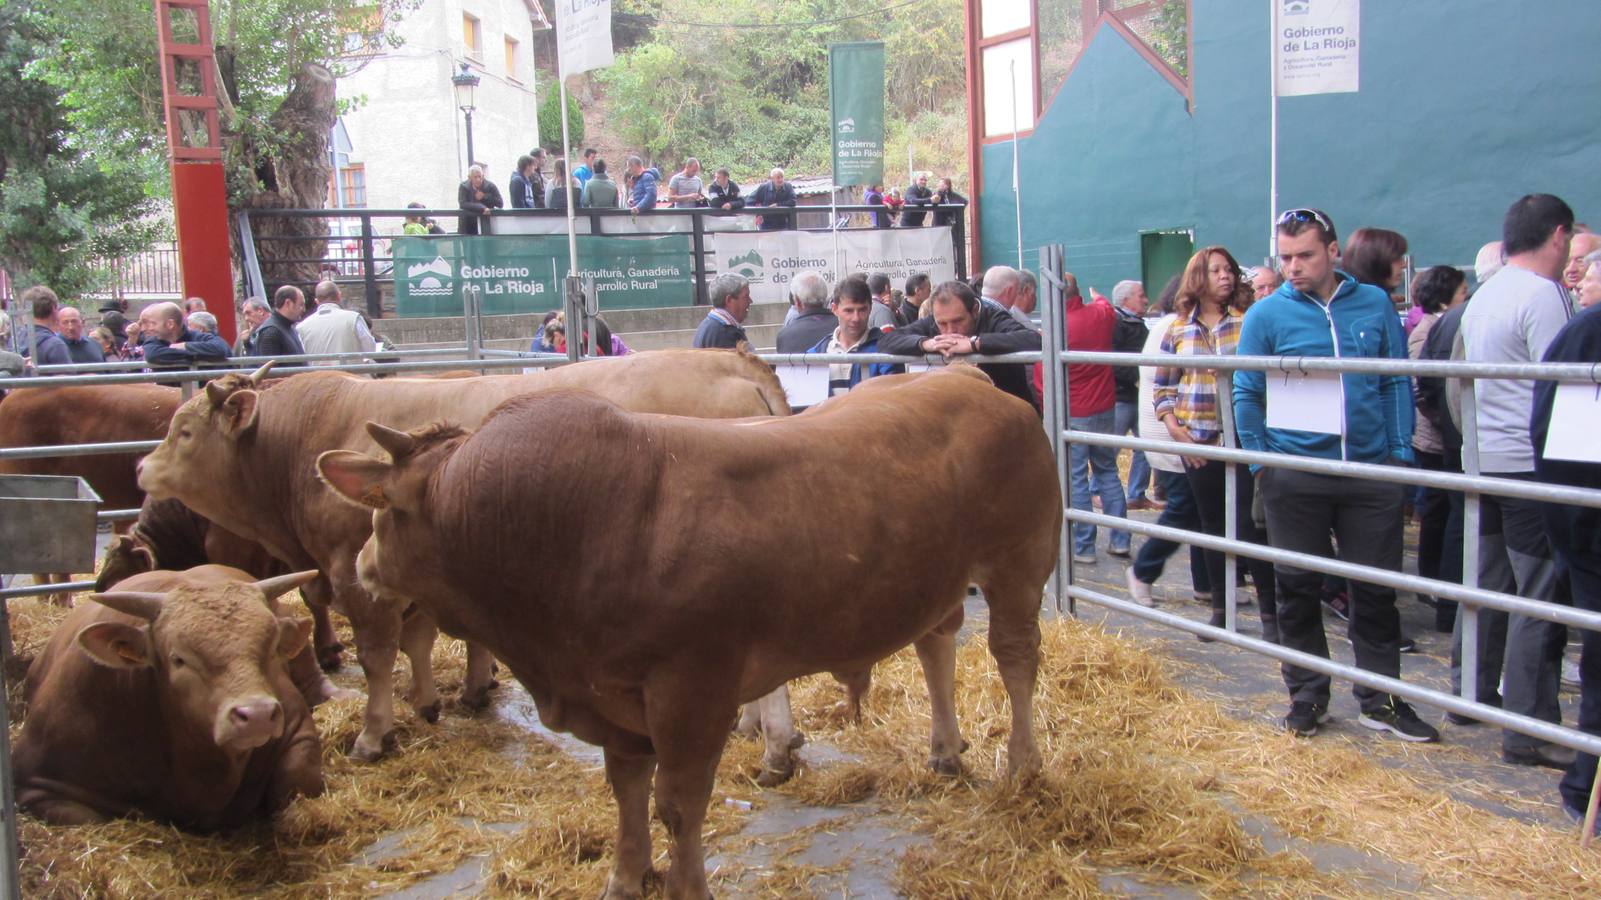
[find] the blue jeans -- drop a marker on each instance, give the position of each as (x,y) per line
(1101,464)
(1126,420)
(1180,512)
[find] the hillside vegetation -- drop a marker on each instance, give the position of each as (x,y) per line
(744,84)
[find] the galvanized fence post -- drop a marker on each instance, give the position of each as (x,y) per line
(1052,406)
(1472,515)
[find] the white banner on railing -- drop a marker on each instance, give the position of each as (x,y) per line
(771,258)
(1317,45)
(583,35)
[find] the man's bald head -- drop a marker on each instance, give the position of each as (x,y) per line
(164,320)
(326,292)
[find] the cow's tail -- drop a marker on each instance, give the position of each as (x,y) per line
(768,387)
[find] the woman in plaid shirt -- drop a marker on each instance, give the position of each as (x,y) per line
(1212,299)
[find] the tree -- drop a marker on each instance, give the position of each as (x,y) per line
(62,212)
(276,64)
(550,120)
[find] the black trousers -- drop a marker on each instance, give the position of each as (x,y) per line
(1208,485)
(1303,508)
(1440,533)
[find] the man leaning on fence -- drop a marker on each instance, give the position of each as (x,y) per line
(962,325)
(1357,418)
(168,344)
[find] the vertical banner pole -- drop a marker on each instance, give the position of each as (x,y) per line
(567,176)
(1273,132)
(1017,189)
(856,135)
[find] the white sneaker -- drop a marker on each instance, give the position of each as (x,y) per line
(1570,673)
(1139,590)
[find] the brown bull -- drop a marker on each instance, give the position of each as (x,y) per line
(245,458)
(94,414)
(644,575)
(171,701)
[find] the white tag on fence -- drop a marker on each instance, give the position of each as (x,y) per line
(918,367)
(804,385)
(1571,435)
(1311,401)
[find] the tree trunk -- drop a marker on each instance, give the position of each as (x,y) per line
(294,176)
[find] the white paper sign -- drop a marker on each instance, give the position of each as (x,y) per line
(918,367)
(769,259)
(583,35)
(804,385)
(1316,45)
(1314,401)
(1573,416)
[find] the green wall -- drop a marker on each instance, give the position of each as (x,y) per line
(1465,105)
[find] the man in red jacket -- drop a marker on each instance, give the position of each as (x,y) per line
(1091,398)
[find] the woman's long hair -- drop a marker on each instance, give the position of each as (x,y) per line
(1196,284)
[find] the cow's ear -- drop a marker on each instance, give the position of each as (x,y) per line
(116,644)
(356,477)
(293,636)
(239,413)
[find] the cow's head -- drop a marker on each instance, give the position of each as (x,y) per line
(126,556)
(395,489)
(214,649)
(200,444)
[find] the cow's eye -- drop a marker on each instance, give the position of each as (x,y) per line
(178,661)
(184,433)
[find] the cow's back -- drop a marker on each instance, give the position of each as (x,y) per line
(793,531)
(89,414)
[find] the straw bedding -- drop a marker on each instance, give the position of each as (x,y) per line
(1141,776)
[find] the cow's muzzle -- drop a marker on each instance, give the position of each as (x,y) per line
(251,723)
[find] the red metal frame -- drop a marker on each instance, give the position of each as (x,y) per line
(199,188)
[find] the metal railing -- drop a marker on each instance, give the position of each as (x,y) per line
(1063,585)
(364,257)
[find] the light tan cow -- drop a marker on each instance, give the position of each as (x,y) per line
(243,454)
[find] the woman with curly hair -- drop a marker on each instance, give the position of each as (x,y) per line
(1212,299)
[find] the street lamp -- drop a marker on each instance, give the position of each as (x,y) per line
(466,82)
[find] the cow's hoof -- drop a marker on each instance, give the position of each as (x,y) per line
(773,777)
(474,700)
(329,657)
(798,741)
(614,891)
(367,749)
(429,712)
(945,765)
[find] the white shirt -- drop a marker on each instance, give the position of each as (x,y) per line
(330,329)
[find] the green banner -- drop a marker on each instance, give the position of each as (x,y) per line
(856,102)
(523,273)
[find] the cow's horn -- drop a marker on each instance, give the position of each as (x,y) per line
(398,443)
(257,376)
(217,394)
(139,604)
(283,584)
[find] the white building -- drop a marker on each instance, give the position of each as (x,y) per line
(405,140)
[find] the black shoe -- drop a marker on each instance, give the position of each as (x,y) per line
(1270,629)
(1218,620)
(1338,604)
(1408,645)
(1552,756)
(1304,718)
(1459,719)
(1398,718)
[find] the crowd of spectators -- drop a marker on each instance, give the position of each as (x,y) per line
(169,335)
(643,188)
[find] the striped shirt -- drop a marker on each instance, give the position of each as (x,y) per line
(1191,394)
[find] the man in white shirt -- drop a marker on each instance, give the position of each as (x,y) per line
(1512,319)
(331,329)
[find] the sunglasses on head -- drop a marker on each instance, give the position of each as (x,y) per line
(1307,216)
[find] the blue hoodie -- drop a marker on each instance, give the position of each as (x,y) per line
(644,194)
(1378,408)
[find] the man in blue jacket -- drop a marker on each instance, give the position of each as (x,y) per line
(852,305)
(1320,311)
(643,196)
(169,345)
(43,346)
